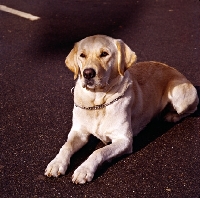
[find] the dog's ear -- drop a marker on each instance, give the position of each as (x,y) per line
(126,57)
(71,61)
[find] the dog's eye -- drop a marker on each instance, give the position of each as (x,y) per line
(82,55)
(103,54)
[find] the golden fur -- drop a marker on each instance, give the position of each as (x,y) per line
(107,73)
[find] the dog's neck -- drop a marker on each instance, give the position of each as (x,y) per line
(89,98)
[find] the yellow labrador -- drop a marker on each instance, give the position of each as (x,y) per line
(114,99)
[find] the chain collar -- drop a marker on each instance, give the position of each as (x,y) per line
(96,107)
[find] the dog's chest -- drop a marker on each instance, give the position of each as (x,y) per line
(94,122)
(101,123)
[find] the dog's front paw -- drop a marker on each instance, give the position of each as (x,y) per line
(82,175)
(56,167)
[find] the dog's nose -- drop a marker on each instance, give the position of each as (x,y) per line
(89,73)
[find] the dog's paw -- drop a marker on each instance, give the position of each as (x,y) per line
(172,117)
(56,167)
(82,175)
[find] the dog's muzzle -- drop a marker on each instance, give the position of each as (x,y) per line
(89,74)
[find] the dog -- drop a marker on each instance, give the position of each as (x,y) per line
(114,99)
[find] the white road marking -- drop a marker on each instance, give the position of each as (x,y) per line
(19,13)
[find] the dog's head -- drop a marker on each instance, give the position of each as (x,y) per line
(98,59)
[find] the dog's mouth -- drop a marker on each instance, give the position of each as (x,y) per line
(88,83)
(91,84)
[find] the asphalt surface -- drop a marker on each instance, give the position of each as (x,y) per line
(36,103)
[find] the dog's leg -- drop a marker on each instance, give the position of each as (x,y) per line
(184,100)
(59,164)
(85,172)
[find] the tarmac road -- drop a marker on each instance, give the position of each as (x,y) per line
(36,103)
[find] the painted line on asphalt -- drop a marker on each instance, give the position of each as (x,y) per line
(19,13)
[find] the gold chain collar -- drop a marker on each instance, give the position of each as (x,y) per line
(96,107)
